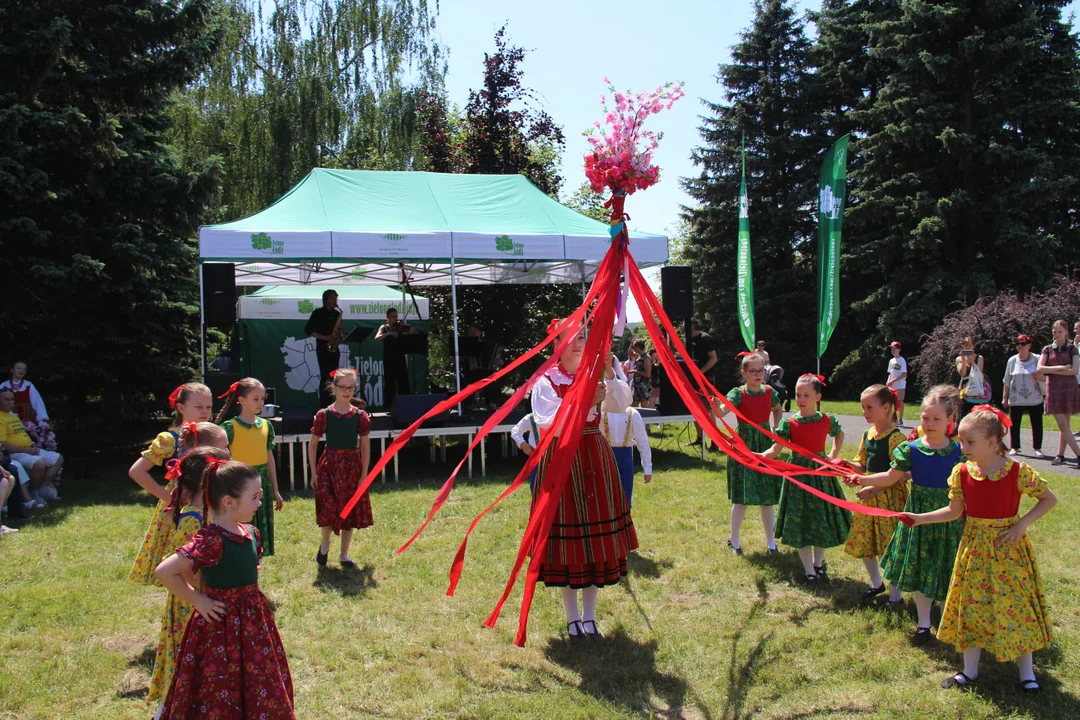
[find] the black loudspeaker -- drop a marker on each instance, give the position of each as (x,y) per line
(219,294)
(677,288)
(407,409)
(670,402)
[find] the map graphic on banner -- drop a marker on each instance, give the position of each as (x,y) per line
(303,364)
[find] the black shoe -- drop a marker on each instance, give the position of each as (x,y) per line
(595,634)
(811,580)
(873,592)
(823,576)
(579,629)
(737,550)
(958,680)
(772,551)
(320,557)
(921,637)
(348,564)
(1031,687)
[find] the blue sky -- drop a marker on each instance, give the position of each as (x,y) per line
(639,45)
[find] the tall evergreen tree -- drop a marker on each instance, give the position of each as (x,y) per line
(96,216)
(968,177)
(769,95)
(299,84)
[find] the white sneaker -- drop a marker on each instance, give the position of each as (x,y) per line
(4,530)
(48,493)
(39,504)
(1039,454)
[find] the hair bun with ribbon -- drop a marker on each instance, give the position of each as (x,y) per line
(819,378)
(1004,419)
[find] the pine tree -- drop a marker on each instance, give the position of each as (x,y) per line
(769,96)
(968,169)
(97,219)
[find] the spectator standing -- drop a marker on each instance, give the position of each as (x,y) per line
(655,379)
(1021,393)
(897,379)
(703,352)
(642,373)
(973,386)
(763,352)
(1060,362)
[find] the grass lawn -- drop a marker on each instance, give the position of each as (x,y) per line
(852,407)
(693,632)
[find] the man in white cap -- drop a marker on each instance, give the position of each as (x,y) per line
(897,378)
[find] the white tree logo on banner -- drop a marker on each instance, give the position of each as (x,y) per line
(303,364)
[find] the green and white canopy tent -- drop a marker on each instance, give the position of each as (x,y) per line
(357,227)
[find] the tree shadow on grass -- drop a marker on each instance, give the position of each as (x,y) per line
(741,673)
(346,582)
(622,671)
(644,566)
(145,659)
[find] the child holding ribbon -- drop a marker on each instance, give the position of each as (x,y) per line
(870,534)
(192,405)
(805,521)
(920,559)
(756,401)
(996,600)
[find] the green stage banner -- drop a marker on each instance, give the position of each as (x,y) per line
(832,190)
(744,274)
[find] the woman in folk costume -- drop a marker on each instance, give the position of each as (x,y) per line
(592,533)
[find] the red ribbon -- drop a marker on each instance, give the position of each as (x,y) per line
(230,391)
(211,467)
(743,354)
(174,396)
(895,399)
(193,429)
(333,373)
(819,378)
(1006,422)
(172,469)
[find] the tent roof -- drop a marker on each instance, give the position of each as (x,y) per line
(366,227)
(369,292)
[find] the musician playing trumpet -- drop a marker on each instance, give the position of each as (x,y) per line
(395,371)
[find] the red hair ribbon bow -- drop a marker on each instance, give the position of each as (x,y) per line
(173,469)
(743,354)
(895,399)
(819,378)
(192,428)
(211,467)
(553,324)
(1006,422)
(333,373)
(230,391)
(174,396)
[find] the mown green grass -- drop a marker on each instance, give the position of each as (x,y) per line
(694,632)
(911,415)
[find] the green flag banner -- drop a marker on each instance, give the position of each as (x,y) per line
(832,190)
(744,275)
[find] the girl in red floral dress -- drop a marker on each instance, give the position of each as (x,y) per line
(338,473)
(231,664)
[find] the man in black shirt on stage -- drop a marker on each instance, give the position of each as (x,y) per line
(321,326)
(395,371)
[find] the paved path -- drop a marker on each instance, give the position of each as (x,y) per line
(853,428)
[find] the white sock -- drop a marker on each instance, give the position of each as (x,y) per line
(738,512)
(768,519)
(819,557)
(923,605)
(874,570)
(806,554)
(588,603)
(894,594)
(160,710)
(1026,664)
(569,601)
(971,663)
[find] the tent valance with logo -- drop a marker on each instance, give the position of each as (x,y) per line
(357,227)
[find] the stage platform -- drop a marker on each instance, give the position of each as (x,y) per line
(382,429)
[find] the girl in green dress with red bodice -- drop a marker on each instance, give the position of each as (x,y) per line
(343,465)
(231,664)
(805,521)
(756,401)
(251,441)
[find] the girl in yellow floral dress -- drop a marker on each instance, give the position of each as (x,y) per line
(996,600)
(870,534)
(192,404)
(186,517)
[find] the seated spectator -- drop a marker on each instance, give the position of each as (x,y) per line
(25,504)
(30,407)
(7,484)
(42,465)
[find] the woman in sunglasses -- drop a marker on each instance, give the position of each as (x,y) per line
(1022,394)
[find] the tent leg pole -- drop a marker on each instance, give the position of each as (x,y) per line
(581,266)
(453,311)
(202,327)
